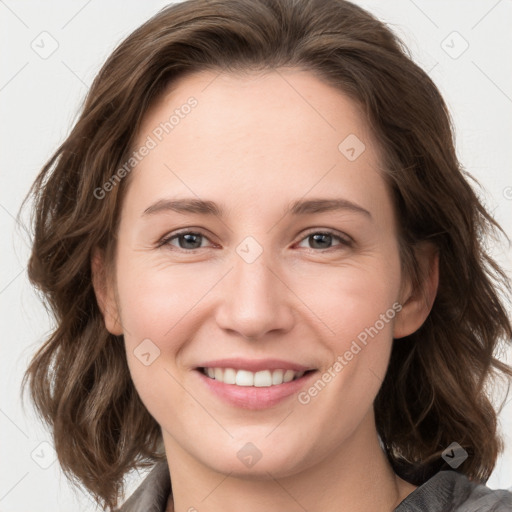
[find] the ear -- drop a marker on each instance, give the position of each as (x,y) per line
(417,303)
(103,286)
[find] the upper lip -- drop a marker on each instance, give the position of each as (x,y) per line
(255,365)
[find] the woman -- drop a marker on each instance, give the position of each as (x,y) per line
(269,273)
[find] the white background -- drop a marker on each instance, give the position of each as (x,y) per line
(39,101)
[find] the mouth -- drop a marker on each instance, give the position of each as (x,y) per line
(259,379)
(260,390)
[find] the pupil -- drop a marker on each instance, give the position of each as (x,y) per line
(318,238)
(189,239)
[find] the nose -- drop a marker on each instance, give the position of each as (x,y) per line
(255,300)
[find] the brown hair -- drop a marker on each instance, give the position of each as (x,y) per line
(434,392)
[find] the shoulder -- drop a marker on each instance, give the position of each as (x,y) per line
(153,493)
(450,491)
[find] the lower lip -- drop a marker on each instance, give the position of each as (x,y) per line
(251,397)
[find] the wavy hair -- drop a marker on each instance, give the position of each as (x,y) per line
(435,391)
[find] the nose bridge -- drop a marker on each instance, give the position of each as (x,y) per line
(253,278)
(253,301)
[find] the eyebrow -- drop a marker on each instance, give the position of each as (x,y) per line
(299,207)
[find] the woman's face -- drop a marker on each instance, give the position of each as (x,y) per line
(298,267)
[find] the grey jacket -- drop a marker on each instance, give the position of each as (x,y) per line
(446,491)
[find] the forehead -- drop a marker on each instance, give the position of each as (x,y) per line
(289,101)
(216,134)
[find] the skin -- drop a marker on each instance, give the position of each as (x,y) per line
(254,143)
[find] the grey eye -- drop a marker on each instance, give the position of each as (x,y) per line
(324,240)
(186,241)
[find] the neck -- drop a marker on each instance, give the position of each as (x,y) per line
(356,477)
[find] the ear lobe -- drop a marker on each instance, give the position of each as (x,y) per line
(104,291)
(417,304)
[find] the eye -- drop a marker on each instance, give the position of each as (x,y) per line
(186,240)
(324,239)
(190,241)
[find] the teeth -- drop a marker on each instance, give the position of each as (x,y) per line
(264,378)
(229,376)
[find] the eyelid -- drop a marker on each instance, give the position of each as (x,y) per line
(345,239)
(185,231)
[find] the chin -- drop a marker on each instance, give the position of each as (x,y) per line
(256,460)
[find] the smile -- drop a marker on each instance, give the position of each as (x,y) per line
(258,390)
(264,378)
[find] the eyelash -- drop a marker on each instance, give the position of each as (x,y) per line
(345,240)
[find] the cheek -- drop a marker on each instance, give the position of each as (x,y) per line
(154,299)
(359,309)
(157,310)
(348,299)
(355,307)
(162,306)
